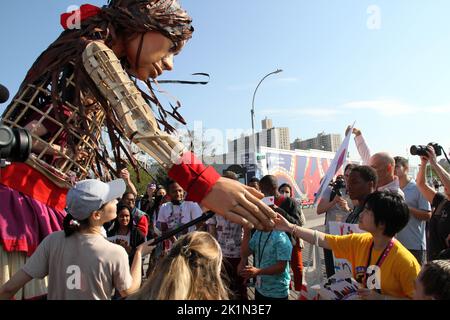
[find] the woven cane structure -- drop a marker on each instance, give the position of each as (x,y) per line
(129,112)
(56,161)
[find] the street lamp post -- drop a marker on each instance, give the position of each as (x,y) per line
(253,115)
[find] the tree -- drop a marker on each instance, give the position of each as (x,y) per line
(152,174)
(199,144)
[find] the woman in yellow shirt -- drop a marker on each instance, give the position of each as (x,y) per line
(383,266)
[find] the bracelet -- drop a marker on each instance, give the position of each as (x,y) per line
(293,230)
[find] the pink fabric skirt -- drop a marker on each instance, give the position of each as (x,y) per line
(25,222)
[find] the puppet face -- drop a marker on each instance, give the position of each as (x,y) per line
(156,55)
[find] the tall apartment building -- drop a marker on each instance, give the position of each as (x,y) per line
(268,137)
(324,142)
(266,124)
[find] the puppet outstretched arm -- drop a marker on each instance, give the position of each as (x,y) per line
(231,199)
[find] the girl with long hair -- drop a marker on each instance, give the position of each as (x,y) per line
(191,271)
(124,233)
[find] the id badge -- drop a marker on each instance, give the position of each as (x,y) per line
(258,282)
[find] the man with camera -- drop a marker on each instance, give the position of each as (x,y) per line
(413,235)
(336,208)
(439,225)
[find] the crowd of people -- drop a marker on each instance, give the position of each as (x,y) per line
(402,251)
(108,232)
(419,235)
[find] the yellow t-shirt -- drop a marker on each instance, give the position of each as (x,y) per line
(397,273)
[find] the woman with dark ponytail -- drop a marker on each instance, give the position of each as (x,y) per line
(79,262)
(70,225)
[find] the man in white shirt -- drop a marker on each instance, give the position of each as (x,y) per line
(178,212)
(382,162)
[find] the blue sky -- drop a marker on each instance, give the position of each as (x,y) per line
(392,80)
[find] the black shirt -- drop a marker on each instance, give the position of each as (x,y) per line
(353,217)
(438,226)
(291,211)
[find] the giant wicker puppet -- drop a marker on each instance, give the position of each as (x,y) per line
(82,86)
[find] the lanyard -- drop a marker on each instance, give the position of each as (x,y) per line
(380,260)
(260,253)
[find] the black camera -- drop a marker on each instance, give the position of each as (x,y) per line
(422,150)
(15,144)
(338,185)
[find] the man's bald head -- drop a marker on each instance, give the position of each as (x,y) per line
(384,157)
(384,164)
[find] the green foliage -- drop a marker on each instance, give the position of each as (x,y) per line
(157,175)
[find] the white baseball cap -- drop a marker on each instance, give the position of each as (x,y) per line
(88,196)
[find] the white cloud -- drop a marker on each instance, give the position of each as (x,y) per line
(293,112)
(391,107)
(438,109)
(384,107)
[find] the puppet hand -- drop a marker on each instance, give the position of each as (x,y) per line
(239,204)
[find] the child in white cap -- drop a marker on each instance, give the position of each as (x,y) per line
(79,262)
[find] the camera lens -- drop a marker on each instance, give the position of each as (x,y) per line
(15,144)
(23,146)
(6,136)
(413,150)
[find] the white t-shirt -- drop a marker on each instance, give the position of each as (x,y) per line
(393,186)
(80,267)
(115,239)
(365,154)
(177,215)
(229,236)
